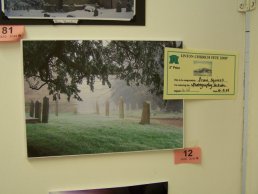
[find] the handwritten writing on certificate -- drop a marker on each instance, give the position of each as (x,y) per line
(190,74)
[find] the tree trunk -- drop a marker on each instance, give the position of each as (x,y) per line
(56,107)
(31,109)
(145,114)
(45,111)
(107,108)
(128,7)
(60,4)
(119,6)
(97,108)
(38,110)
(121,108)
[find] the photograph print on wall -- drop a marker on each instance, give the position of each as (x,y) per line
(98,96)
(122,10)
(152,188)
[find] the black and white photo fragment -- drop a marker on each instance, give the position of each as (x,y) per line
(120,10)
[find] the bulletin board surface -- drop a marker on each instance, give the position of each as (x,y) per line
(214,125)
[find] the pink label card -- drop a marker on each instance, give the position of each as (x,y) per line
(188,155)
(11,33)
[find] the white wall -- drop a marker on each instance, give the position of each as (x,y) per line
(252,154)
(214,125)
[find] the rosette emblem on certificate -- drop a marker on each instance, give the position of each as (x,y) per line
(191,74)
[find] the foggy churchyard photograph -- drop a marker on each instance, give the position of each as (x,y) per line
(98,96)
(70,9)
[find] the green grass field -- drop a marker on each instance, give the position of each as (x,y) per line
(70,134)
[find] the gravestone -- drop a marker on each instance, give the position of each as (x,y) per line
(38,110)
(97,108)
(56,107)
(107,108)
(31,109)
(145,114)
(121,108)
(45,111)
(96,12)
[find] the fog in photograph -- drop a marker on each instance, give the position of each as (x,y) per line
(97,96)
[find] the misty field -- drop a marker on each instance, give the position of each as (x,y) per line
(72,134)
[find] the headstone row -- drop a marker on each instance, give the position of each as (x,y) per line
(145,118)
(36,112)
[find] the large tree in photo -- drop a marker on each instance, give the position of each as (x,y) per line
(29,4)
(62,66)
(140,62)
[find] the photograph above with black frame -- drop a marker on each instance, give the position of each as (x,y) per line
(84,12)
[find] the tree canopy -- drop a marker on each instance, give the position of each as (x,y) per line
(63,65)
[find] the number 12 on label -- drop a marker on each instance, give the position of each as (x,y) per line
(188,155)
